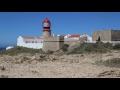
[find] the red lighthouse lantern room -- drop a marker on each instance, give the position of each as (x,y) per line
(46,24)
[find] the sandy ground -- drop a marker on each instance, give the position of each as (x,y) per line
(66,66)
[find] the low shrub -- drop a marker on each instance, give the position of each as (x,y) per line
(16,50)
(98,47)
(116,47)
(114,62)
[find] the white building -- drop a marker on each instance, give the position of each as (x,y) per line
(37,42)
(76,37)
(30,42)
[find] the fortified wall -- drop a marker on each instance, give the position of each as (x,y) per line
(81,39)
(106,35)
(115,35)
(70,42)
(53,43)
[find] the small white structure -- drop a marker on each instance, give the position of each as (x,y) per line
(30,42)
(89,39)
(10,47)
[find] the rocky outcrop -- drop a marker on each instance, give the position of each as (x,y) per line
(108,74)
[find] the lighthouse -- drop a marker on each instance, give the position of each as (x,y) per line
(50,43)
(46,28)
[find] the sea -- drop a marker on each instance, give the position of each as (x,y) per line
(2,48)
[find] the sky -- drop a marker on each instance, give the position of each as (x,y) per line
(15,24)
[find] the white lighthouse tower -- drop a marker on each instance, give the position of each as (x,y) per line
(46,28)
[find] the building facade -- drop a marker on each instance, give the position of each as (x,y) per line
(30,42)
(106,35)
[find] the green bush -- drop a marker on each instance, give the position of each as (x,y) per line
(116,46)
(98,47)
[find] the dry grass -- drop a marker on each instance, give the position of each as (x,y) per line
(114,62)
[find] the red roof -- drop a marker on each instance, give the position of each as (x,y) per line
(39,38)
(47,20)
(74,36)
(31,38)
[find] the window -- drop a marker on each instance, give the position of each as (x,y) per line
(26,41)
(32,41)
(41,42)
(35,41)
(29,41)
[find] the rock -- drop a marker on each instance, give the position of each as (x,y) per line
(34,62)
(33,58)
(82,55)
(4,76)
(2,68)
(22,59)
(111,73)
(19,61)
(53,57)
(40,57)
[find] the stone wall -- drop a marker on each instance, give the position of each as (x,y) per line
(53,43)
(69,42)
(46,33)
(115,35)
(105,35)
(83,39)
